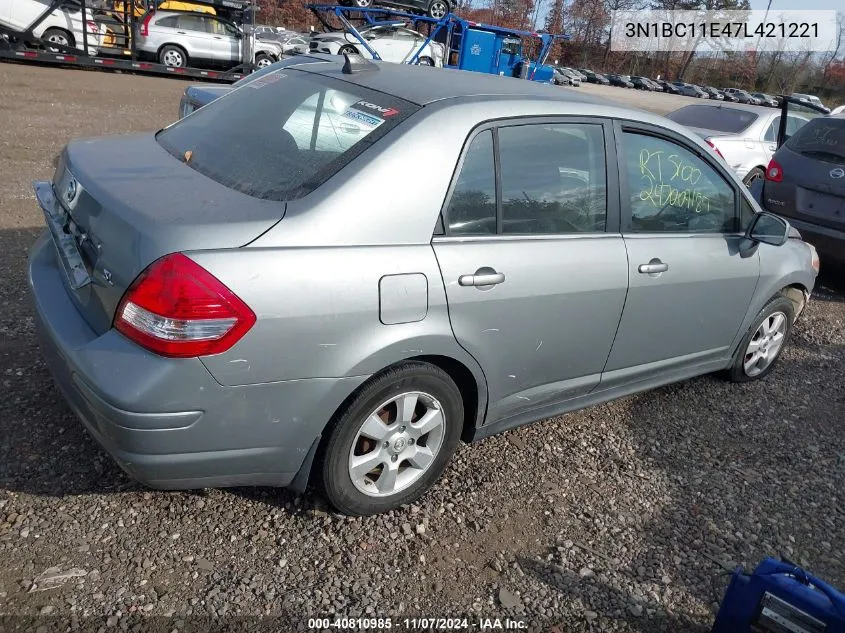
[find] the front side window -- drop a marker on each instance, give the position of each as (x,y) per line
(553,178)
(472,207)
(672,190)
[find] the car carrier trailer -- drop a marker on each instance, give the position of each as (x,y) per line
(469,45)
(25,46)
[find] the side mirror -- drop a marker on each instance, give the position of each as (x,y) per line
(765,229)
(768,228)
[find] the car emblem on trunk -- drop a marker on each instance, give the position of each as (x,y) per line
(70,191)
(837,173)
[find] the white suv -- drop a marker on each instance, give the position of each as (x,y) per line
(62,26)
(178,38)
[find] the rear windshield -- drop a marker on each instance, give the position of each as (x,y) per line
(730,120)
(281,136)
(822,138)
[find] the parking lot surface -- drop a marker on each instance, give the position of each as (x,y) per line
(618,517)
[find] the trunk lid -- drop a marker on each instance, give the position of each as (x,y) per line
(126,202)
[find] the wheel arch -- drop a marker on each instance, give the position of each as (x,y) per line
(71,38)
(179,46)
(798,294)
(473,393)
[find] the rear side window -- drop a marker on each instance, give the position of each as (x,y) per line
(281,136)
(168,21)
(822,138)
(472,208)
(771,134)
(674,191)
(553,178)
(730,120)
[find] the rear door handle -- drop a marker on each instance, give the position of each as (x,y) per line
(481,279)
(655,266)
(181,32)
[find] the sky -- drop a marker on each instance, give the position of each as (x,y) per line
(786,5)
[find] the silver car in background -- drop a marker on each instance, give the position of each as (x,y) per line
(294,307)
(745,136)
(392,42)
(179,38)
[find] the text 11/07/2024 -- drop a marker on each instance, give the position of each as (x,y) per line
(418,624)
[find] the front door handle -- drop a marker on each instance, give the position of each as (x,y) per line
(655,266)
(482,277)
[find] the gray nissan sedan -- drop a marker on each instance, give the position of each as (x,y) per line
(338,271)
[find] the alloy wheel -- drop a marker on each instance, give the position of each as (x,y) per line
(438,9)
(57,38)
(396,444)
(765,345)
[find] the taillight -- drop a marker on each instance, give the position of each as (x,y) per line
(145,25)
(176,308)
(716,149)
(92,26)
(774,172)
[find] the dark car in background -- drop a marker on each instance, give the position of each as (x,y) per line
(805,183)
(432,8)
(620,81)
(690,90)
(642,83)
(766,100)
(594,77)
(742,96)
(713,93)
(667,87)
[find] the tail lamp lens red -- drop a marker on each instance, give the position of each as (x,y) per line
(178,309)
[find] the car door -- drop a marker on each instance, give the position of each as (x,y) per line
(385,44)
(408,42)
(534,266)
(689,287)
(226,40)
(22,13)
(194,31)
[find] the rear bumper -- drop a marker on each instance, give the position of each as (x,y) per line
(167,422)
(830,243)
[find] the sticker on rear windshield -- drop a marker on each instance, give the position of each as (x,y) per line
(266,80)
(367,120)
(375,109)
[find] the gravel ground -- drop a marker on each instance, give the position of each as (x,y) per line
(619,517)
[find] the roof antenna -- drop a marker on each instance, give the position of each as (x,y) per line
(355,63)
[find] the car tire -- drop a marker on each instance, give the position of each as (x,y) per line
(262,60)
(762,345)
(379,421)
(438,9)
(57,36)
(752,176)
(173,56)
(348,49)
(426,61)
